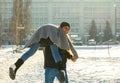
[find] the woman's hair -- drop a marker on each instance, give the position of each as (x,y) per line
(64,24)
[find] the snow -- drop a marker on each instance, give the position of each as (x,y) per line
(96,64)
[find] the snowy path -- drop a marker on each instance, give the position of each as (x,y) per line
(93,66)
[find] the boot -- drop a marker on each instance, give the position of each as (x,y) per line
(13,68)
(61,72)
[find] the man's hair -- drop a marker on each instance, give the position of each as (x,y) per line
(64,24)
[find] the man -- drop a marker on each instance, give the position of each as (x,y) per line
(57,48)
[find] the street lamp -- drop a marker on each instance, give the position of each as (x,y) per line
(115,20)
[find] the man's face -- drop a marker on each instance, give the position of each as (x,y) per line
(66,29)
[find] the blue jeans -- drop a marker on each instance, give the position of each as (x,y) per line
(30,52)
(51,73)
(35,46)
(55,53)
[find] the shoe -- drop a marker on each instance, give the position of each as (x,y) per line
(13,68)
(12,72)
(62,76)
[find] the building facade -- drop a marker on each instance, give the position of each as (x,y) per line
(79,13)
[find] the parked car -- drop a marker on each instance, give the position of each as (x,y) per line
(91,42)
(77,42)
(111,42)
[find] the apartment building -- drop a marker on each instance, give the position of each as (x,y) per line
(79,13)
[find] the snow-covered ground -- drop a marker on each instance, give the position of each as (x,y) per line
(96,64)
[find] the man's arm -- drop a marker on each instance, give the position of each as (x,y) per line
(72,57)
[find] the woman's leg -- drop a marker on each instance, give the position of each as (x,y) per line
(55,53)
(30,52)
(13,68)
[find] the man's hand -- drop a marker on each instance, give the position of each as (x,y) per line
(73,58)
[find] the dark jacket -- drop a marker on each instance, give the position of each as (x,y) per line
(49,60)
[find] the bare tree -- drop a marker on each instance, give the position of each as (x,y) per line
(0,28)
(27,15)
(2,20)
(20,21)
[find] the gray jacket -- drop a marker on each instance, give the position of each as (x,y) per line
(55,34)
